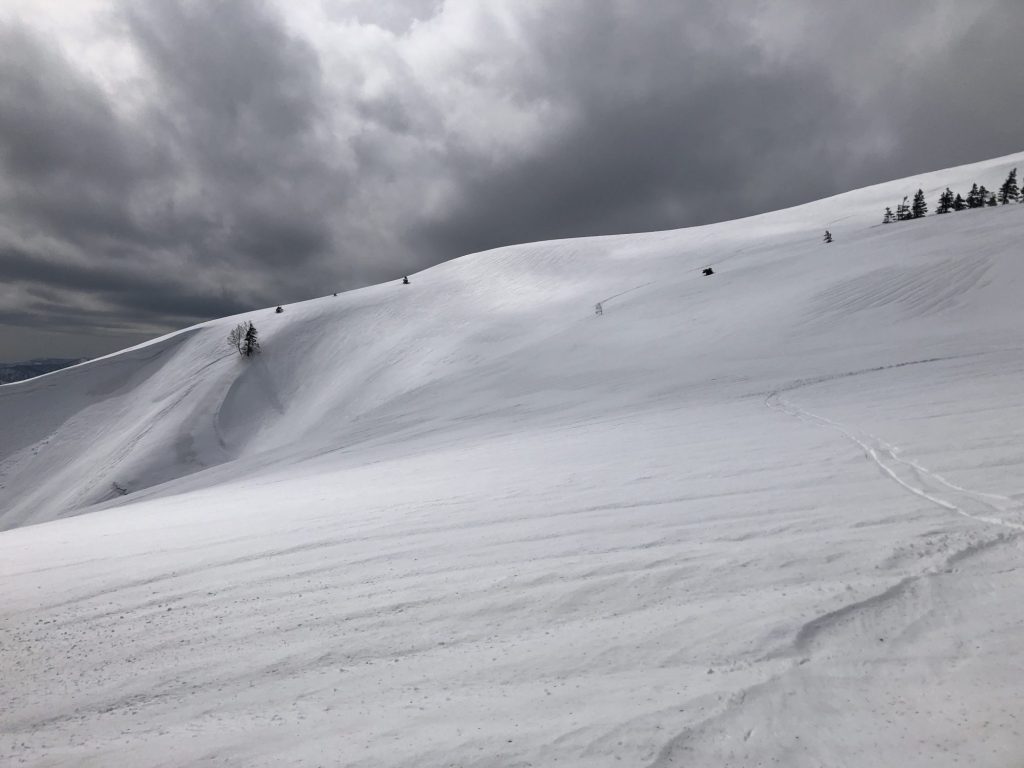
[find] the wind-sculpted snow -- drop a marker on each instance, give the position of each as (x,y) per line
(768,517)
(918,290)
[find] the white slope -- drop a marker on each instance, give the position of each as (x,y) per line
(770,517)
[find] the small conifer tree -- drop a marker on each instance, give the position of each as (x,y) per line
(903,210)
(1009,192)
(974,197)
(888,218)
(945,202)
(920,207)
(959,203)
(250,343)
(828,236)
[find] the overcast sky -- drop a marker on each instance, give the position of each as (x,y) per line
(168,161)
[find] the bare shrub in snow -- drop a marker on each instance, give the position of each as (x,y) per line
(237,335)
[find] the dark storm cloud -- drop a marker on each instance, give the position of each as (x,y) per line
(672,154)
(970,103)
(69,163)
(214,197)
(123,289)
(257,157)
(56,124)
(681,117)
(241,102)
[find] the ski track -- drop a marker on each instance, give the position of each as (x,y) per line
(908,473)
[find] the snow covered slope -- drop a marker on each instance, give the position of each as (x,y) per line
(770,517)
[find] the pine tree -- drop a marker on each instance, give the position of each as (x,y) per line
(903,210)
(250,344)
(983,196)
(920,207)
(959,203)
(828,236)
(1009,192)
(888,218)
(993,201)
(945,202)
(974,197)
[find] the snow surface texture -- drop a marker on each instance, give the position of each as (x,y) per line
(768,517)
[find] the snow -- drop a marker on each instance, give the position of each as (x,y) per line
(767,517)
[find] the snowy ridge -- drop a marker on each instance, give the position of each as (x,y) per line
(335,359)
(767,517)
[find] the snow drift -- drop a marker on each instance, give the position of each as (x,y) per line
(769,516)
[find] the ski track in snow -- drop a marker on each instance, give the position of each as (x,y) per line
(983,507)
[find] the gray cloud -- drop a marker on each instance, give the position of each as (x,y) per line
(968,104)
(251,153)
(681,115)
(69,164)
(396,17)
(213,198)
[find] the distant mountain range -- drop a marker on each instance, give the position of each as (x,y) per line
(27,369)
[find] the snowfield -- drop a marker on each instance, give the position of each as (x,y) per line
(771,517)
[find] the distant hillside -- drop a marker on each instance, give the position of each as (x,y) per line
(29,369)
